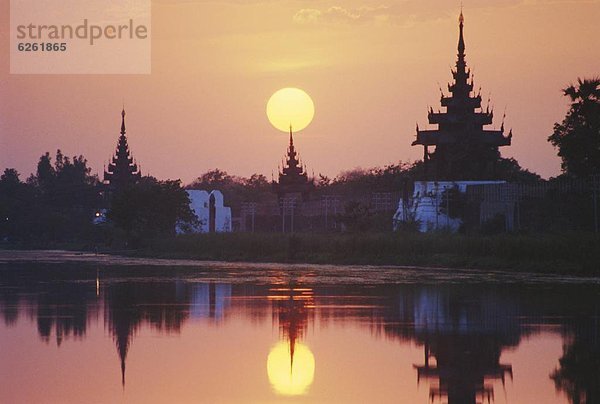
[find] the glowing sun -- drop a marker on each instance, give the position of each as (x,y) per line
(290,106)
(289,378)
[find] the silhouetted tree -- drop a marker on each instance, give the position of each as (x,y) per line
(151,208)
(55,204)
(509,169)
(15,200)
(213,179)
(355,217)
(66,195)
(578,136)
(236,189)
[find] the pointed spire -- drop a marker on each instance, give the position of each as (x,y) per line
(291,137)
(123,121)
(461,39)
(122,169)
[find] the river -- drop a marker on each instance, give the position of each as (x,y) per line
(84,328)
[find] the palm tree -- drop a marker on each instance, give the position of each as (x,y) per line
(586,90)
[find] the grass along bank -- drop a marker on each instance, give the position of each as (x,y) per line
(569,254)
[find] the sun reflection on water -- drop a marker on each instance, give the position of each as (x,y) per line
(291,374)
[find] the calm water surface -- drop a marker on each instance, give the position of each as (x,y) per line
(81,329)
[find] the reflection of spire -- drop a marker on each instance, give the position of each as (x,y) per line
(123,370)
(292,347)
(130,306)
(292,315)
(291,310)
(123,340)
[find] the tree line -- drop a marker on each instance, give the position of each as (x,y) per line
(58,201)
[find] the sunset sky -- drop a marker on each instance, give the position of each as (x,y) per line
(372,69)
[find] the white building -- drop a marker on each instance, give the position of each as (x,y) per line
(426,206)
(213,215)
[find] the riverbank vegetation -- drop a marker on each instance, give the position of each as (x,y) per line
(572,254)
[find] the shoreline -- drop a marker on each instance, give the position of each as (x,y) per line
(376,274)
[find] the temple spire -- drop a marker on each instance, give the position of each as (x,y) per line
(123,121)
(461,39)
(292,176)
(464,149)
(122,169)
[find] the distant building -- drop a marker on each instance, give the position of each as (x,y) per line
(213,215)
(430,206)
(464,150)
(122,170)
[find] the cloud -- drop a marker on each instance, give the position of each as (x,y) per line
(341,15)
(406,10)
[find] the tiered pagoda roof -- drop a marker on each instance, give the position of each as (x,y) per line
(122,170)
(463,148)
(293,178)
(465,370)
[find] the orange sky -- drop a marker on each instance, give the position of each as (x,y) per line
(371,67)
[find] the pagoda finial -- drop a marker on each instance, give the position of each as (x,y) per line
(123,121)
(461,39)
(291,136)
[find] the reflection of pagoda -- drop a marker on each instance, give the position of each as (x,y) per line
(292,313)
(129,306)
(123,319)
(122,171)
(465,364)
(293,179)
(463,149)
(464,339)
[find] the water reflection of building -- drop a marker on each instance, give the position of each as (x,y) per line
(292,309)
(463,329)
(210,300)
(129,304)
(463,338)
(464,367)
